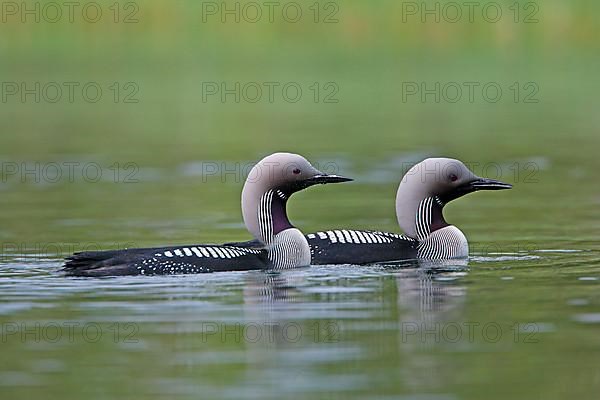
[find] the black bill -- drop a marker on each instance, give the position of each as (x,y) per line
(323,179)
(488,184)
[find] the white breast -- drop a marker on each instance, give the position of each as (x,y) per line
(289,249)
(443,244)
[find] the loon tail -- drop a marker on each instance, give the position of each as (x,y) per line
(97,263)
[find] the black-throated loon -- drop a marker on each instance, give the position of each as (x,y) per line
(264,197)
(423,192)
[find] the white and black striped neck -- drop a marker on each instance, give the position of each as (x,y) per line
(420,214)
(272,215)
(429,217)
(438,240)
(286,246)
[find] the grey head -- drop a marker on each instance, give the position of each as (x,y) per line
(269,185)
(428,186)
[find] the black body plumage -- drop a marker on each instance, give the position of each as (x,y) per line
(346,246)
(173,260)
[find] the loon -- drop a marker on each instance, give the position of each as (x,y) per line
(268,186)
(423,192)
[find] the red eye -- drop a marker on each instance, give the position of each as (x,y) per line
(453,178)
(296,171)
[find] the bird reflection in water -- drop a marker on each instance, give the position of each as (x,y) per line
(431,299)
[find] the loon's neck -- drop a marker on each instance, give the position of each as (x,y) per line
(268,222)
(264,212)
(272,215)
(437,239)
(418,218)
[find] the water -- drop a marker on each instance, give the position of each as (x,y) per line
(519,319)
(398,331)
